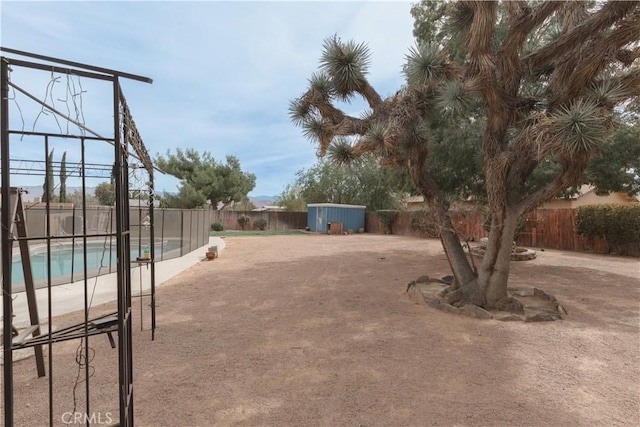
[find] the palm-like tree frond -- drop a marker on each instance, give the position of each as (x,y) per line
(341,152)
(321,83)
(454,98)
(579,128)
(299,111)
(316,129)
(366,114)
(419,131)
(378,140)
(426,64)
(608,93)
(460,18)
(374,138)
(346,64)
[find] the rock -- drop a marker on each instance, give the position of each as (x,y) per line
(510,305)
(517,254)
(522,292)
(525,255)
(438,304)
(475,312)
(511,318)
(447,280)
(448,308)
(542,294)
(434,303)
(410,285)
(423,279)
(542,316)
(454,296)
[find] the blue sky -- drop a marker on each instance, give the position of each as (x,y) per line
(224,72)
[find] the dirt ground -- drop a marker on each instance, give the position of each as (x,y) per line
(316,330)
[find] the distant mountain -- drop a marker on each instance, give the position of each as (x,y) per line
(261,201)
(34,192)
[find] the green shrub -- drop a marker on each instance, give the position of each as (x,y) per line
(243,221)
(217,226)
(260,224)
(616,224)
(387,217)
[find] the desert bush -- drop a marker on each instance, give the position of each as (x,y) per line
(260,224)
(243,221)
(217,226)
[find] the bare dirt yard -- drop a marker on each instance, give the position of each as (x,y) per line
(316,330)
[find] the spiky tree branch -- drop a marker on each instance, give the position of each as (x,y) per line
(572,169)
(523,20)
(347,64)
(608,15)
(580,70)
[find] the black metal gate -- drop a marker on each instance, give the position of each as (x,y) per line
(86,145)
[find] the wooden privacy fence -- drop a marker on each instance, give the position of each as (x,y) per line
(466,223)
(542,228)
(275,220)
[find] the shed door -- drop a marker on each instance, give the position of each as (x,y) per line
(320,219)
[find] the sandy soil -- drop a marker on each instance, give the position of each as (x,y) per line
(316,330)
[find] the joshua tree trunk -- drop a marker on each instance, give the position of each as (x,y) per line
(465,288)
(494,270)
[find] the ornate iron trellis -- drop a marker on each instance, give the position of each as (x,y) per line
(126,143)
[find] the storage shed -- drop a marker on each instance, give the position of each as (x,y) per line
(320,215)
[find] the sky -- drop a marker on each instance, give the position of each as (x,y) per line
(223,72)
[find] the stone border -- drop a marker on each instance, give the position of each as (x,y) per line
(527,255)
(431,294)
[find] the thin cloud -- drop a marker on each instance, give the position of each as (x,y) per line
(224,72)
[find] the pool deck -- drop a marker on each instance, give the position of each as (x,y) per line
(69,297)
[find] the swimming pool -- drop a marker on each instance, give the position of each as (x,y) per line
(67,261)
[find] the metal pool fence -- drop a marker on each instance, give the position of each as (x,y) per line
(177,232)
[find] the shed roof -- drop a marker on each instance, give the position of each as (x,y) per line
(334,205)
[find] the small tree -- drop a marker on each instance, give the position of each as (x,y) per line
(187,198)
(221,184)
(363,182)
(243,221)
(63,178)
(76,198)
(48,188)
(106,194)
(291,199)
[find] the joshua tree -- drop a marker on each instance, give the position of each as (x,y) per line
(543,99)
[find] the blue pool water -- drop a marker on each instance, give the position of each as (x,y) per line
(68,263)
